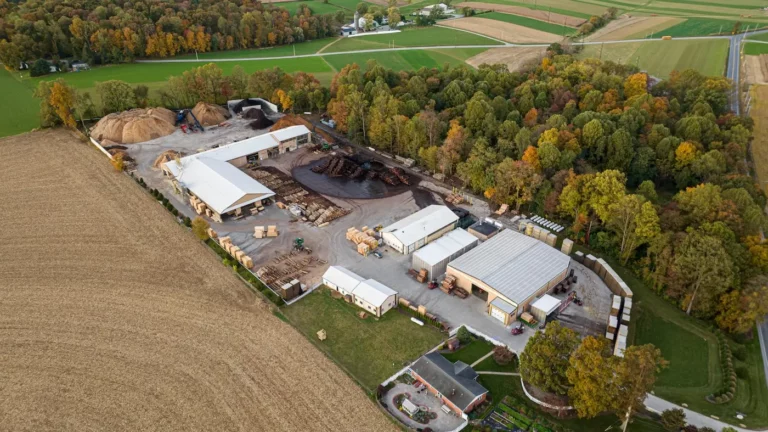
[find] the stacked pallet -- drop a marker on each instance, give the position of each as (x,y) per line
(211,233)
(461,293)
(363,249)
(454,198)
(258,232)
(224,241)
(361,237)
(422,276)
(272,231)
(448,284)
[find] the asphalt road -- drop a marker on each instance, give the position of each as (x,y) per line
(762,332)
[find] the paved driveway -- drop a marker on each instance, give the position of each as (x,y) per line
(443,422)
(392,271)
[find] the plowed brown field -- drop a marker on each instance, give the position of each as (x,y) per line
(113,317)
(526,12)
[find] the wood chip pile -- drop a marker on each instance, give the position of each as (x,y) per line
(210,114)
(135,126)
(292,120)
(286,268)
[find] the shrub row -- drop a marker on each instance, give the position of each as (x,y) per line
(726,393)
(536,420)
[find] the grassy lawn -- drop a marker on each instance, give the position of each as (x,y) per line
(683,341)
(407,60)
(471,352)
(687,353)
(553,28)
(370,350)
(423,36)
(490,365)
(659,58)
(20,110)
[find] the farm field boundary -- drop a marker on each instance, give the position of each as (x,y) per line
(541,15)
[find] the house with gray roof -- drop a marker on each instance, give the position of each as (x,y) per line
(454,383)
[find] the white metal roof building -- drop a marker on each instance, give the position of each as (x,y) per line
(510,266)
(435,256)
(214,176)
(368,294)
(544,306)
(420,228)
(341,279)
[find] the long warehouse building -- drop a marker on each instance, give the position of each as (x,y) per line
(419,229)
(509,272)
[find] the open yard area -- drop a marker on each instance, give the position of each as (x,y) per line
(659,58)
(502,30)
(371,350)
(114,317)
(426,36)
(19,112)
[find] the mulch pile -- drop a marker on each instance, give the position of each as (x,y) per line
(210,114)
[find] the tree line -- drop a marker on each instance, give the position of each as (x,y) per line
(104,31)
(653,173)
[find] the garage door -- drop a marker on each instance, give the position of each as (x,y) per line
(499,315)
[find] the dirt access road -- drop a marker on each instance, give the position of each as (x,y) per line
(113,317)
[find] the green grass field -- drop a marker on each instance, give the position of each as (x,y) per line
(755,48)
(425,36)
(370,350)
(575,8)
(659,58)
(702,27)
(19,112)
(553,28)
(317,7)
(406,60)
(685,8)
(683,341)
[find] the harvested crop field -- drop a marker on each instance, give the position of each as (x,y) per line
(542,15)
(501,30)
(113,317)
(634,28)
(516,59)
(759,147)
(756,69)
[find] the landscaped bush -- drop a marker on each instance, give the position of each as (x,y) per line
(502,355)
(728,390)
(463,335)
(739,351)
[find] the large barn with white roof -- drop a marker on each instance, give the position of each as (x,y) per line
(419,229)
(509,272)
(215,177)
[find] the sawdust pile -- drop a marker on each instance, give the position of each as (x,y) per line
(209,114)
(135,126)
(167,156)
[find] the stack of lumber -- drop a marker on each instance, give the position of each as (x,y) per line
(360,237)
(454,198)
(247,262)
(258,232)
(422,276)
(211,233)
(616,306)
(224,241)
(449,283)
(272,231)
(461,293)
(363,249)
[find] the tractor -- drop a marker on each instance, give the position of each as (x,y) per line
(298,245)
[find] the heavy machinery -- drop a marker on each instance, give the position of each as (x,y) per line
(182,114)
(298,245)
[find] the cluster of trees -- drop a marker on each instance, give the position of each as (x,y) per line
(596,381)
(589,143)
(104,31)
(597,21)
(63,105)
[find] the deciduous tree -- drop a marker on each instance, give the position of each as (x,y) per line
(591,375)
(545,360)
